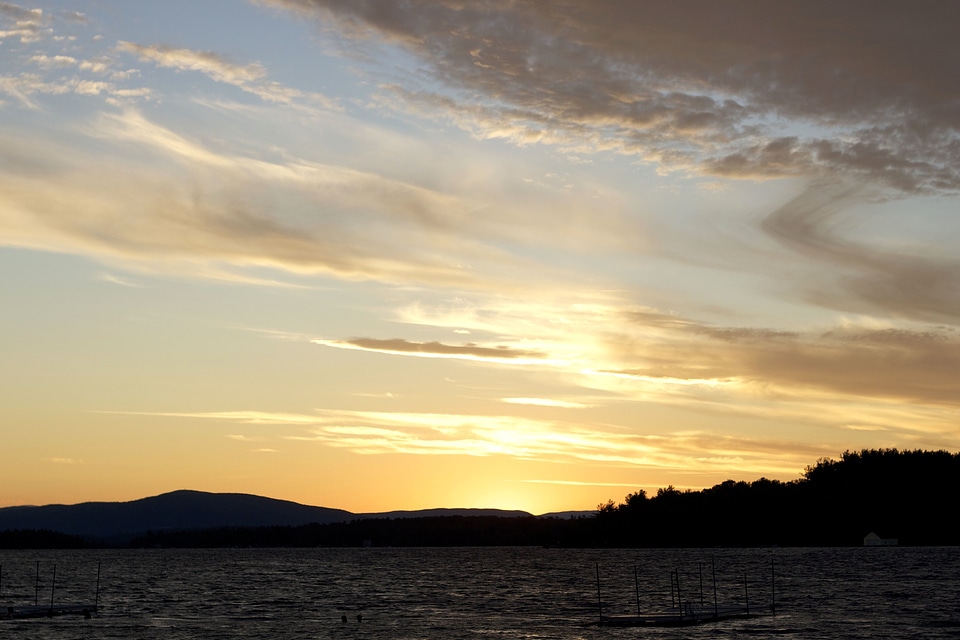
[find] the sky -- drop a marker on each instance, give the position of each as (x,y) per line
(376,255)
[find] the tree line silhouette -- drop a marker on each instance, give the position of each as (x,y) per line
(908,495)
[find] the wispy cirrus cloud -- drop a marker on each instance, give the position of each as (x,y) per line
(360,224)
(546,402)
(251,77)
(431,434)
(920,285)
(206,62)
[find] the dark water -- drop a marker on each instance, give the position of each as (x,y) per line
(501,593)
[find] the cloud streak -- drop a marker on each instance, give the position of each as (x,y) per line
(248,77)
(912,365)
(397,346)
(433,434)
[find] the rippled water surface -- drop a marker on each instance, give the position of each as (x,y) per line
(500,593)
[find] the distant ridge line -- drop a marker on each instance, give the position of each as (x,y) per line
(188,509)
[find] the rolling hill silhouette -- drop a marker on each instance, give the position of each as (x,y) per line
(190,510)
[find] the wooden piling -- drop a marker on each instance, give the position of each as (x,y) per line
(599,601)
(96,601)
(700,570)
(636,585)
(773,588)
(716,608)
(53,587)
(746,594)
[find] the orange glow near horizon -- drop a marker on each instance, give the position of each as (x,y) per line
(526,256)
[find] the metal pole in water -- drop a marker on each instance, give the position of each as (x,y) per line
(773,588)
(636,586)
(96,601)
(599,601)
(716,612)
(36,587)
(53,587)
(673,598)
(746,594)
(679,601)
(700,568)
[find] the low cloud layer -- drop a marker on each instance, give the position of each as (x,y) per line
(912,365)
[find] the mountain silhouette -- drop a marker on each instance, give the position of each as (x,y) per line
(177,510)
(191,510)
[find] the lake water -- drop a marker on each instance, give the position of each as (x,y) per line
(498,593)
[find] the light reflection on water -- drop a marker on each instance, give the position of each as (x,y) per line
(500,593)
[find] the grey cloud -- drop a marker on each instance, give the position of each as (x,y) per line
(20,14)
(700,84)
(74,16)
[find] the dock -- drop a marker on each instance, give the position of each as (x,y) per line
(41,611)
(688,612)
(52,609)
(685,617)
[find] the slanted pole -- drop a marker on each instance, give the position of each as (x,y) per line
(599,601)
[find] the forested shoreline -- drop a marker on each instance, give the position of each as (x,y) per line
(907,495)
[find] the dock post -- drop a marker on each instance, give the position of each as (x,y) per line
(96,601)
(53,588)
(636,586)
(679,600)
(700,569)
(746,594)
(716,610)
(599,601)
(773,588)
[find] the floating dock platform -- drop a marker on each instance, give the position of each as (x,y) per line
(53,609)
(20,613)
(682,618)
(685,612)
